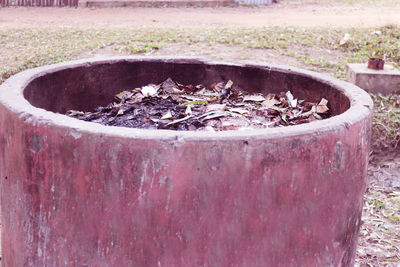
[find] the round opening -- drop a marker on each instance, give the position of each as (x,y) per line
(88,86)
(48,92)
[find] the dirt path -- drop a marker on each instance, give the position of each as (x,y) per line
(287,14)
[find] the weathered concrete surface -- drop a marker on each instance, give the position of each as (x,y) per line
(386,81)
(75,193)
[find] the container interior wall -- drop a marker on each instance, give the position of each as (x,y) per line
(86,87)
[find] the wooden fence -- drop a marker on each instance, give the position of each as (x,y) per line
(51,3)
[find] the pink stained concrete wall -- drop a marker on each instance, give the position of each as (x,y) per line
(79,194)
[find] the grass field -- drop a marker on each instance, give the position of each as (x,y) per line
(318,49)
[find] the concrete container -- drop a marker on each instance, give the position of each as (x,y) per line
(76,193)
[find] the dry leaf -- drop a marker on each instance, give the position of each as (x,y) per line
(148,90)
(270,96)
(135,99)
(167,116)
(239,110)
(269,103)
(124,95)
(213,107)
(322,106)
(254,98)
(188,110)
(74,113)
(228,84)
(170,87)
(218,87)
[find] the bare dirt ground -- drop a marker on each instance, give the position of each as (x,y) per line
(292,13)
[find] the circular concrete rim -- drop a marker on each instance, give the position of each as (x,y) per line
(11,96)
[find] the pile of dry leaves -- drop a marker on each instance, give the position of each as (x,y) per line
(223,106)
